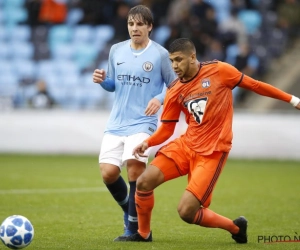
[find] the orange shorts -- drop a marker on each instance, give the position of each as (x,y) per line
(176,159)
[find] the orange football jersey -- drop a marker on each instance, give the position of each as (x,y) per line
(207,102)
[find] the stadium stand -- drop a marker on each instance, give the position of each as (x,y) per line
(64,54)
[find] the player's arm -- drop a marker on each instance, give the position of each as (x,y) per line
(155,103)
(265,89)
(99,76)
(163,133)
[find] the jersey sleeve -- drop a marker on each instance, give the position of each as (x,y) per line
(264,89)
(229,75)
(172,108)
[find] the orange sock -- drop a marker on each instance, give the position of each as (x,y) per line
(144,202)
(207,218)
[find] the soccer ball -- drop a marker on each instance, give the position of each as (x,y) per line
(16,232)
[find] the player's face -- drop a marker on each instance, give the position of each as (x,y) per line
(138,31)
(181,64)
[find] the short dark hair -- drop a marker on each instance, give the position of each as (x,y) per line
(141,11)
(183,45)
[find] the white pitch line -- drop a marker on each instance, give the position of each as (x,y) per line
(53,191)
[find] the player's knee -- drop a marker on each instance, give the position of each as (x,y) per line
(143,183)
(109,173)
(186,213)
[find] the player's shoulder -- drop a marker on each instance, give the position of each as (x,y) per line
(173,83)
(119,45)
(212,63)
(159,47)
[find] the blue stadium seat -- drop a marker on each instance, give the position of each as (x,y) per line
(20,33)
(4,50)
(14,16)
(59,34)
(45,68)
(251,19)
(74,16)
(222,8)
(66,67)
(22,50)
(161,34)
(25,68)
(13,3)
(63,51)
(85,54)
(8,84)
(83,34)
(6,66)
(103,33)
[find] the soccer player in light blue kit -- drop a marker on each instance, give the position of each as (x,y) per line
(138,72)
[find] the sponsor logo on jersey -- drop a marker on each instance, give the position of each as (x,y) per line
(118,63)
(205,83)
(147,66)
(151,129)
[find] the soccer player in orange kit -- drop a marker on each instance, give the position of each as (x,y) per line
(203,92)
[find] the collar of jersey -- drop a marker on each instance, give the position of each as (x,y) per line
(141,51)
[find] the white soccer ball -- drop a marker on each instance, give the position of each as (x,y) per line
(16,232)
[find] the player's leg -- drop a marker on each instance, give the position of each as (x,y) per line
(110,161)
(161,169)
(193,207)
(134,169)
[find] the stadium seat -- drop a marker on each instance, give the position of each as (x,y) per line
(8,84)
(67,68)
(13,3)
(45,68)
(24,68)
(6,66)
(63,51)
(59,34)
(85,54)
(251,19)
(83,34)
(74,16)
(14,16)
(4,32)
(20,33)
(4,50)
(22,50)
(103,33)
(222,8)
(161,34)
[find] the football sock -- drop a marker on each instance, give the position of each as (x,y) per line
(119,191)
(132,214)
(144,205)
(207,218)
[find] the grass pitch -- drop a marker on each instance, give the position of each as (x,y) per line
(70,208)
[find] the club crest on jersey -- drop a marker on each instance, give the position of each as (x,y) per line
(147,66)
(205,83)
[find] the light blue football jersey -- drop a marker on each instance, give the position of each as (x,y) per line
(136,77)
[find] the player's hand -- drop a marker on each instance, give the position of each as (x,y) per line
(99,75)
(298,106)
(139,150)
(153,107)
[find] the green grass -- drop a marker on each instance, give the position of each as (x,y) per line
(66,201)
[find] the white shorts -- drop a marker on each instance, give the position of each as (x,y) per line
(117,150)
